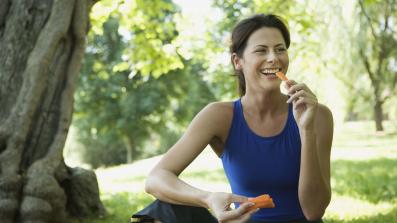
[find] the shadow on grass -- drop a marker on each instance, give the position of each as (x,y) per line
(120,207)
(389,217)
(371,180)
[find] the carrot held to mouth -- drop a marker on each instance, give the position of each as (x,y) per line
(262,201)
(281,76)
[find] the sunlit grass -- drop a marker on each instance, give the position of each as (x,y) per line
(348,209)
(364,178)
(373,180)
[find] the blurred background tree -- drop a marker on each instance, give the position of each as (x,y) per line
(134,85)
(377,49)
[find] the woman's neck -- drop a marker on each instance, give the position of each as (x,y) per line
(264,104)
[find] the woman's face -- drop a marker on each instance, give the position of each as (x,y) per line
(264,55)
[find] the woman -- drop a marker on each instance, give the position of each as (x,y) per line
(267,146)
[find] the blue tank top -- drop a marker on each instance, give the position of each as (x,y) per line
(256,165)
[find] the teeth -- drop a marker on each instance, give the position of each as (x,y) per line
(270,70)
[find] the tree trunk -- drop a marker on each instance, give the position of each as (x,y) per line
(378,111)
(129,149)
(41,47)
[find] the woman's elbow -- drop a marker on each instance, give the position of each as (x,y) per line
(314,216)
(316,211)
(150,185)
(314,205)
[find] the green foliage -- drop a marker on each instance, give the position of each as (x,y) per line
(377,46)
(134,86)
(149,31)
(367,55)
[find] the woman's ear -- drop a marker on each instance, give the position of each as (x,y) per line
(236,62)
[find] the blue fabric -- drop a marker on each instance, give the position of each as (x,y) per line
(256,165)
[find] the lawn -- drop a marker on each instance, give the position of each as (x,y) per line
(364,178)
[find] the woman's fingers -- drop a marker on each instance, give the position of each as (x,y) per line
(298,92)
(306,101)
(292,87)
(235,213)
(237,198)
(290,83)
(298,87)
(301,94)
(246,217)
(296,96)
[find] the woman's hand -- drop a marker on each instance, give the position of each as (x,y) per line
(304,103)
(220,203)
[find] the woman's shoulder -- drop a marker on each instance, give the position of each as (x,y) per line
(219,114)
(323,113)
(221,105)
(324,122)
(219,109)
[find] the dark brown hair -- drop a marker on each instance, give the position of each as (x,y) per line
(243,30)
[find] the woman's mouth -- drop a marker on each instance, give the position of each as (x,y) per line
(270,71)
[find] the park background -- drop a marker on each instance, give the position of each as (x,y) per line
(150,66)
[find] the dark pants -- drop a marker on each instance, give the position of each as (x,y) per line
(172,213)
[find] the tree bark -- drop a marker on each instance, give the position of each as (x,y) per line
(378,111)
(42,44)
(129,149)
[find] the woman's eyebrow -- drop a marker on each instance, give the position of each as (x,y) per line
(265,46)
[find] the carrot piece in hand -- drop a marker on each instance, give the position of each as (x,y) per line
(281,76)
(262,201)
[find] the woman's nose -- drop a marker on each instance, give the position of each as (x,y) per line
(271,56)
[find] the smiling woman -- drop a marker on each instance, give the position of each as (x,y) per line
(267,146)
(275,32)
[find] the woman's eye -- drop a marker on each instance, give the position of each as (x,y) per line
(261,51)
(280,50)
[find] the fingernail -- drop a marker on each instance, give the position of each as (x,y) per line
(251,204)
(256,209)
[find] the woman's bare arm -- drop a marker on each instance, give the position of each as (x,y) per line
(314,180)
(163,182)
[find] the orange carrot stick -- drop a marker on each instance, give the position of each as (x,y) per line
(262,201)
(281,76)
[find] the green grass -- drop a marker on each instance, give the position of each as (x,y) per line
(364,179)
(374,180)
(119,207)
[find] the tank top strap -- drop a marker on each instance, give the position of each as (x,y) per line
(237,114)
(238,109)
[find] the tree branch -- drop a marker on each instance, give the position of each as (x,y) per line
(367,65)
(368,18)
(387,15)
(393,85)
